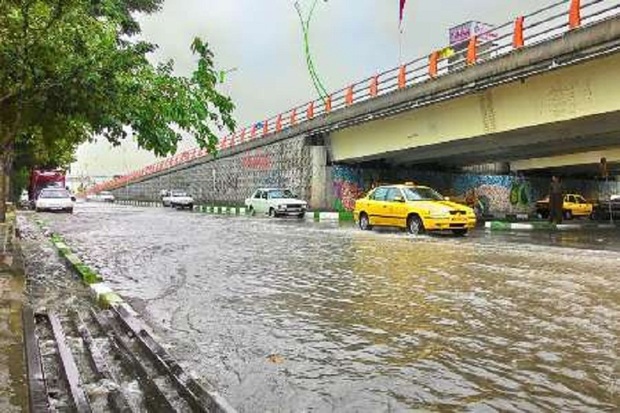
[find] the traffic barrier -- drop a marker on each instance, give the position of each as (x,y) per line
(402,77)
(518,41)
(574,17)
(472,50)
(310,111)
(433,64)
(374,86)
(349,96)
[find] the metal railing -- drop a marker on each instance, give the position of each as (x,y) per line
(542,25)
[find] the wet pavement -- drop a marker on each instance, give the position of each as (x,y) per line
(283,315)
(13,391)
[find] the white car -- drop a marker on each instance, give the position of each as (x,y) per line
(103,196)
(107,196)
(276,202)
(178,199)
(55,199)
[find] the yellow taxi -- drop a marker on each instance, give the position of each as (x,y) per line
(415,208)
(574,205)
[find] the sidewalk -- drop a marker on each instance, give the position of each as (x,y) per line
(13,388)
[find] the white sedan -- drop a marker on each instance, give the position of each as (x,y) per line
(55,200)
(276,202)
(180,200)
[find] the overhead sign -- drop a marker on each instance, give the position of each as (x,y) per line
(463,32)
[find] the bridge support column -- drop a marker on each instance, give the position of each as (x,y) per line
(319,177)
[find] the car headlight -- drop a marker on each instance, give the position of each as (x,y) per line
(281,206)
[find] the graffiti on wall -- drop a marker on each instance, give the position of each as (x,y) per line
(487,194)
(348,185)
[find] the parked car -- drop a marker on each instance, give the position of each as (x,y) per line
(103,196)
(603,209)
(276,202)
(165,195)
(56,199)
(180,200)
(574,205)
(415,208)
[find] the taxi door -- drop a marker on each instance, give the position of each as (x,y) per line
(570,205)
(583,206)
(378,213)
(397,208)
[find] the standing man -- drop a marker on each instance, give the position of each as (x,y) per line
(556,201)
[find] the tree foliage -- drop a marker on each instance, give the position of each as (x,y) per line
(74,69)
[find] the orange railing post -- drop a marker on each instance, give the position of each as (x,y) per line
(433,62)
(328,104)
(472,50)
(310,111)
(402,77)
(374,86)
(279,123)
(242,136)
(253,131)
(574,16)
(517,40)
(348,97)
(293,117)
(266,128)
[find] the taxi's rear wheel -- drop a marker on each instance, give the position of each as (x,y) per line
(364,222)
(415,226)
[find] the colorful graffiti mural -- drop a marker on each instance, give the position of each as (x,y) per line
(487,194)
(348,185)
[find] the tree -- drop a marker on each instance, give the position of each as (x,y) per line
(73,69)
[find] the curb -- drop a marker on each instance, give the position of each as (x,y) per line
(100,291)
(148,204)
(542,226)
(106,298)
(317,216)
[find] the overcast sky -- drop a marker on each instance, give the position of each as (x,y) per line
(350,40)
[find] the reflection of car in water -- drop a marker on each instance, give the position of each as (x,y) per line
(416,208)
(574,205)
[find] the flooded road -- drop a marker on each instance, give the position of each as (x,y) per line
(282,315)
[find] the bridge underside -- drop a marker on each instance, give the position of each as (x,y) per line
(598,132)
(570,110)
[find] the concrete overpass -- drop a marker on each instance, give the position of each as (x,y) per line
(546,86)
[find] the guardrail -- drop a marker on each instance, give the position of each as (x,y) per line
(543,25)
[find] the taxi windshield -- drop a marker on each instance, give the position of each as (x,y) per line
(277,194)
(422,194)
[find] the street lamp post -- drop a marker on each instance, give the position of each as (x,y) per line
(305,27)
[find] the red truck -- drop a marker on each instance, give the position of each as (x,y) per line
(40,179)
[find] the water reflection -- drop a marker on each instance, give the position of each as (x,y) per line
(370,321)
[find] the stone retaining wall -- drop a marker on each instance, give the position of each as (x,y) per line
(232,179)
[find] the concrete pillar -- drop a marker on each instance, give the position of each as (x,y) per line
(319,177)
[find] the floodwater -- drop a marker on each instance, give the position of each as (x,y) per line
(282,315)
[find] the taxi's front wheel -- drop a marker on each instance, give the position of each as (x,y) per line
(364,222)
(415,225)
